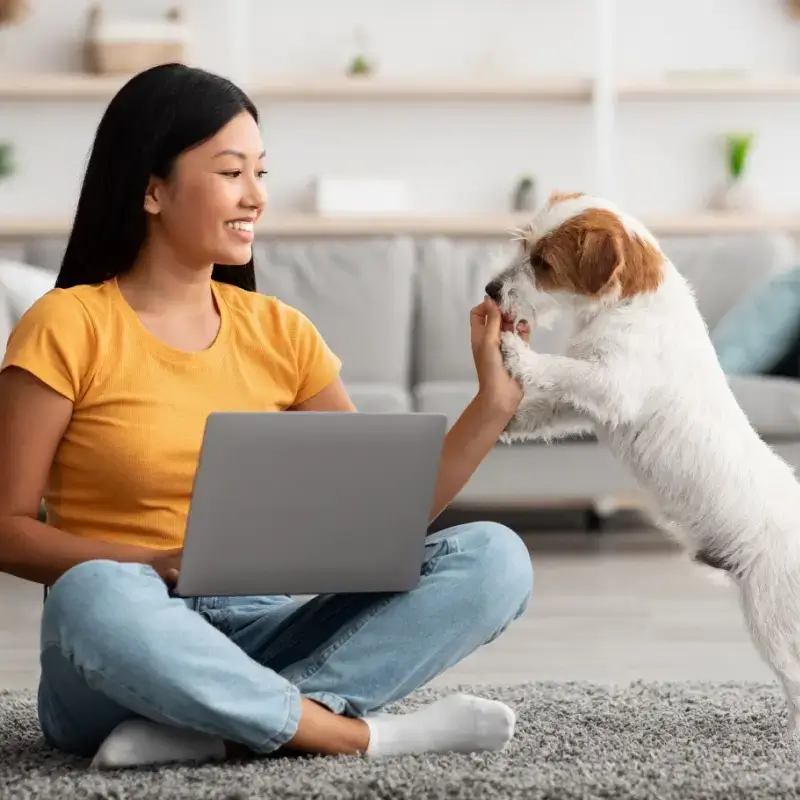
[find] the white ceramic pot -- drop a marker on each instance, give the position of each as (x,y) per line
(736,194)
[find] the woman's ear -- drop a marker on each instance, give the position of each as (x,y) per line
(151,203)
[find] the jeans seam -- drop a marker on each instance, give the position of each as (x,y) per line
(345,636)
(289,727)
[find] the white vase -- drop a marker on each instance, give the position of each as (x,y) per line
(735,194)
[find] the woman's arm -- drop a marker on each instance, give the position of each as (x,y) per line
(33,419)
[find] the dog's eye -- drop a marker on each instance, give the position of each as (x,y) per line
(538,263)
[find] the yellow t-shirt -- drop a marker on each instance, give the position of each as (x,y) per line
(125,467)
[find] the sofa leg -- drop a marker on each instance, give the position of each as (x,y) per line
(593,521)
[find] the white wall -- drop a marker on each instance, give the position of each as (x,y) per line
(457,157)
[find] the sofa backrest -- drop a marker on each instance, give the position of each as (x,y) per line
(452,274)
(358,292)
(723,268)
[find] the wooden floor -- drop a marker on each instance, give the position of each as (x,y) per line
(610,609)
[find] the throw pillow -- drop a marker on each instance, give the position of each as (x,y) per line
(756,332)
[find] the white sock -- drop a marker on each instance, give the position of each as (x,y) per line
(459,723)
(140,742)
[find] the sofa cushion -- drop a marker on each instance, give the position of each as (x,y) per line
(753,336)
(46,252)
(357,292)
(722,269)
(372,397)
(444,397)
(771,404)
(452,277)
(21,285)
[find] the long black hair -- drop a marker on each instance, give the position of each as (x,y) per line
(151,120)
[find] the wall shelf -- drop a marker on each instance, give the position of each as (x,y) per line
(734,87)
(313,225)
(77,87)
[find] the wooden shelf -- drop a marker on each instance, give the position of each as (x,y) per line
(708,223)
(78,86)
(311,225)
(377,89)
(87,87)
(733,87)
(59,87)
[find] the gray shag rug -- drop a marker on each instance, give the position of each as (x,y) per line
(573,740)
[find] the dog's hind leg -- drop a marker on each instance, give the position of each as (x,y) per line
(771,605)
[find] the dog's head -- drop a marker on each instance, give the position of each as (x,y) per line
(578,252)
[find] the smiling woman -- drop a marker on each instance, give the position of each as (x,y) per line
(105,390)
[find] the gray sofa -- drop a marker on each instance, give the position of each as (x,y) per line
(396,310)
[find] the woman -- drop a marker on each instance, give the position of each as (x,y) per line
(105,388)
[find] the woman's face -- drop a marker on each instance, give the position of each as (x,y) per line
(209,205)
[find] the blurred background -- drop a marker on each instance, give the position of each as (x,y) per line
(403,142)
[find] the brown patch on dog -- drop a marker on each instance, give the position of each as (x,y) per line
(560,197)
(592,253)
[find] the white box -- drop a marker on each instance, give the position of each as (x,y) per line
(360,196)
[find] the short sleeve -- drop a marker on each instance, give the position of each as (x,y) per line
(317,364)
(55,341)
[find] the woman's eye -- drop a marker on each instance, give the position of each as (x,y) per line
(234,173)
(262,173)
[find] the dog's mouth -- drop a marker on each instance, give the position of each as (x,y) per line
(512,320)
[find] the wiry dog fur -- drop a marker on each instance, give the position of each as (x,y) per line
(641,373)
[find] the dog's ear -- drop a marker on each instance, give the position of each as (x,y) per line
(600,257)
(611,256)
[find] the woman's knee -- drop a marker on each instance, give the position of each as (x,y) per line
(93,595)
(498,572)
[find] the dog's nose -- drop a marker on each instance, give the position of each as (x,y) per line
(493,290)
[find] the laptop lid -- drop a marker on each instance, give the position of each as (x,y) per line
(311,502)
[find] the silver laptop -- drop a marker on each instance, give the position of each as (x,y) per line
(311,503)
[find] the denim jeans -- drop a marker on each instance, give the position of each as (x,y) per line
(115,644)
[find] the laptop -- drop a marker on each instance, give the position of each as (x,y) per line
(303,502)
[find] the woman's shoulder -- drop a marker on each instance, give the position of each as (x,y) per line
(60,305)
(263,310)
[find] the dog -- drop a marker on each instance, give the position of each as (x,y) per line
(640,372)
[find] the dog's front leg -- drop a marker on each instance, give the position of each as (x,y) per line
(541,418)
(584,386)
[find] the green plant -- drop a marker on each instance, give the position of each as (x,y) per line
(6,160)
(359,66)
(738,147)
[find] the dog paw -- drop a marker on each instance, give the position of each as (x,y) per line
(512,347)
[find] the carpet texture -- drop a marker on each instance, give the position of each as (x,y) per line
(573,740)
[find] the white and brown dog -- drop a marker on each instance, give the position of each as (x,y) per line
(641,373)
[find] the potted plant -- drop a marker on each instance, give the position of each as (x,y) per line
(6,160)
(525,194)
(361,64)
(735,194)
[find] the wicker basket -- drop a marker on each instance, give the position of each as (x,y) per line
(115,53)
(12,12)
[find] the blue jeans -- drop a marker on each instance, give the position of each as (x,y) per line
(115,644)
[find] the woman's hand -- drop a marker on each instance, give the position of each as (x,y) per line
(494,383)
(167,564)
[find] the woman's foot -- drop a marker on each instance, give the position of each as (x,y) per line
(460,723)
(141,742)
